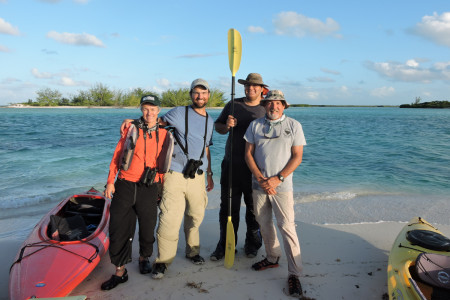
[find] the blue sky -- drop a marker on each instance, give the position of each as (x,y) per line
(316,52)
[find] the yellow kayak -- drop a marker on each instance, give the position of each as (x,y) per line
(419,263)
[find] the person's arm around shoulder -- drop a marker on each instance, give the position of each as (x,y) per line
(126,122)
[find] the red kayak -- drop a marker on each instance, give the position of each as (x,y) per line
(63,248)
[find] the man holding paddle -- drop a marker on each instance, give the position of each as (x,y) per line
(246,109)
(273,151)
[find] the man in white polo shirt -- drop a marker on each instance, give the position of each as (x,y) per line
(274,149)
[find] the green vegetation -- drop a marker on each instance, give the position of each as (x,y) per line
(102,95)
(432,104)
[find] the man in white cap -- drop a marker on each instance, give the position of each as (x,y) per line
(274,149)
(246,109)
(184,191)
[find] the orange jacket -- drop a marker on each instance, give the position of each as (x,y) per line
(136,169)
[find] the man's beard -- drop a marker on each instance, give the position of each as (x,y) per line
(273,115)
(199,106)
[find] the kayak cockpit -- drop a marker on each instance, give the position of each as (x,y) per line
(78,218)
(430,276)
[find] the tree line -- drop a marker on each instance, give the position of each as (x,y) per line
(102,95)
(432,104)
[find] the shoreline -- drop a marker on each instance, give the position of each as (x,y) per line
(137,107)
(90,107)
(341,261)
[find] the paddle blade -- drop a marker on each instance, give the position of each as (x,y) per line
(229,245)
(234,50)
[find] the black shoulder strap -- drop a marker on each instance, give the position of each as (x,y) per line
(185,149)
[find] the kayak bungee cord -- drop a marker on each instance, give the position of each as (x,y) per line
(59,246)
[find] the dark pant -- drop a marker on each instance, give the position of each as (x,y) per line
(241,186)
(132,201)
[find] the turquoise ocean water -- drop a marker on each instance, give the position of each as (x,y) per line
(360,164)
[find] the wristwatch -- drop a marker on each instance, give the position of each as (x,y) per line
(209,173)
(280,177)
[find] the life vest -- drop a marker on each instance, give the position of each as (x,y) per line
(165,156)
(129,146)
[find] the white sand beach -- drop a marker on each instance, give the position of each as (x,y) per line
(340,262)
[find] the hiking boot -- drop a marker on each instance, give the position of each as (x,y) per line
(295,288)
(114,281)
(264,264)
(253,242)
(218,254)
(196,260)
(144,266)
(250,252)
(158,271)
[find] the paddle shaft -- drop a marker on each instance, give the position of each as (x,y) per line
(230,167)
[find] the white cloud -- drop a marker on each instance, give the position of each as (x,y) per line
(256,29)
(67,81)
(294,24)
(9,80)
(83,39)
(412,63)
(325,70)
(312,95)
(320,79)
(7,28)
(41,75)
(4,49)
(435,28)
(164,83)
(411,71)
(382,92)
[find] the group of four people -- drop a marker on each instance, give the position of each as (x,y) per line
(267,147)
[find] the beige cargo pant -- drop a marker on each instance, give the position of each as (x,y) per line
(181,198)
(282,205)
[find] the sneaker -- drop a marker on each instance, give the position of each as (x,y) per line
(264,264)
(250,252)
(158,270)
(115,281)
(218,254)
(253,242)
(144,266)
(196,260)
(295,288)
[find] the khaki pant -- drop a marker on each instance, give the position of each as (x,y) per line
(181,197)
(282,205)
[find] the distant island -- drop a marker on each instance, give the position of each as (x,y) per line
(431,104)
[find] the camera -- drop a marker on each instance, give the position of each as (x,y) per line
(148,177)
(191,168)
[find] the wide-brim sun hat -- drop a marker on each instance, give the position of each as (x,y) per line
(253,78)
(275,95)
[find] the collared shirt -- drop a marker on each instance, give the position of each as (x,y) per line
(273,140)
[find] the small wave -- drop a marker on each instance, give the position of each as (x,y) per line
(324,196)
(23,202)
